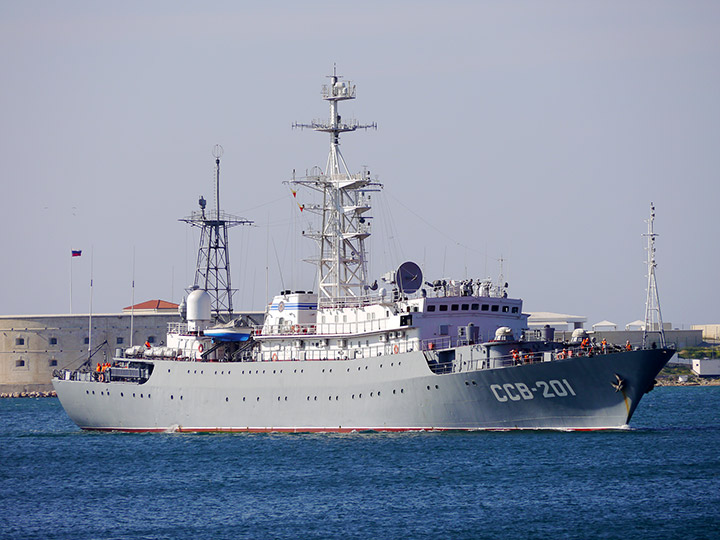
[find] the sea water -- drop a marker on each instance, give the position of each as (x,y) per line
(660,479)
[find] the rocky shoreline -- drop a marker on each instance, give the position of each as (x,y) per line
(50,393)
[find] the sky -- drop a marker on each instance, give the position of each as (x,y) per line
(536,133)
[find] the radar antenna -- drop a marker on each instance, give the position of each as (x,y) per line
(653,316)
(212,271)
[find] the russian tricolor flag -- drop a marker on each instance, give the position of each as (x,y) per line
(76,253)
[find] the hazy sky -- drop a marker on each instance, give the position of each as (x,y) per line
(538,132)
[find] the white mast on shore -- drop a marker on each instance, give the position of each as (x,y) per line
(342,263)
(653,316)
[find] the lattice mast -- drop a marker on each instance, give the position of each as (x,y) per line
(212,271)
(653,316)
(342,261)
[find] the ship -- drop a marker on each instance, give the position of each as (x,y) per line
(401,354)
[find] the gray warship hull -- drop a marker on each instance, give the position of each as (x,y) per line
(385,393)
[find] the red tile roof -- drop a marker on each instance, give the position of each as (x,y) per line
(152,305)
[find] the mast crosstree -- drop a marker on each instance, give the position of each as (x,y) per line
(342,262)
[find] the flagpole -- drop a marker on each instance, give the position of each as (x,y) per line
(132,305)
(91,306)
(71,265)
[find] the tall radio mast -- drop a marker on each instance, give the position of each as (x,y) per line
(342,263)
(212,273)
(653,316)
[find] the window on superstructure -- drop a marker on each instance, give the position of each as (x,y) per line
(52,362)
(20,341)
(151,339)
(515,309)
(506,309)
(455,307)
(444,330)
(443,307)
(86,340)
(431,308)
(119,341)
(475,307)
(53,341)
(465,307)
(485,307)
(495,308)
(19,363)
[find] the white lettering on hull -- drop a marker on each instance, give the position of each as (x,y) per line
(520,391)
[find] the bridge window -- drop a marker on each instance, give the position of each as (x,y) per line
(455,307)
(515,309)
(465,307)
(431,308)
(475,307)
(506,309)
(495,308)
(443,307)
(485,307)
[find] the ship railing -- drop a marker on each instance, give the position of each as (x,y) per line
(351,351)
(177,328)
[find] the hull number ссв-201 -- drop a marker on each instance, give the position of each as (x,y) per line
(519,391)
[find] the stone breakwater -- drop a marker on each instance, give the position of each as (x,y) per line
(51,393)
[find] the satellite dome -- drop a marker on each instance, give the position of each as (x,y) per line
(199,306)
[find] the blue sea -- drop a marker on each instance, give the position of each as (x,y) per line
(661,479)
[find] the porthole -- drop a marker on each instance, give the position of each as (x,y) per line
(436,387)
(337,398)
(278,398)
(402,391)
(216,372)
(227,399)
(371,394)
(428,388)
(122,395)
(243,398)
(285,398)
(467,383)
(315,398)
(172,397)
(258,398)
(394,390)
(181,398)
(87,392)
(360,396)
(353,396)
(274,372)
(141,396)
(195,372)
(102,393)
(93,392)
(378,393)
(168,371)
(308,398)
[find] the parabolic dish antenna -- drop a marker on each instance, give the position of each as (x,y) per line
(408,277)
